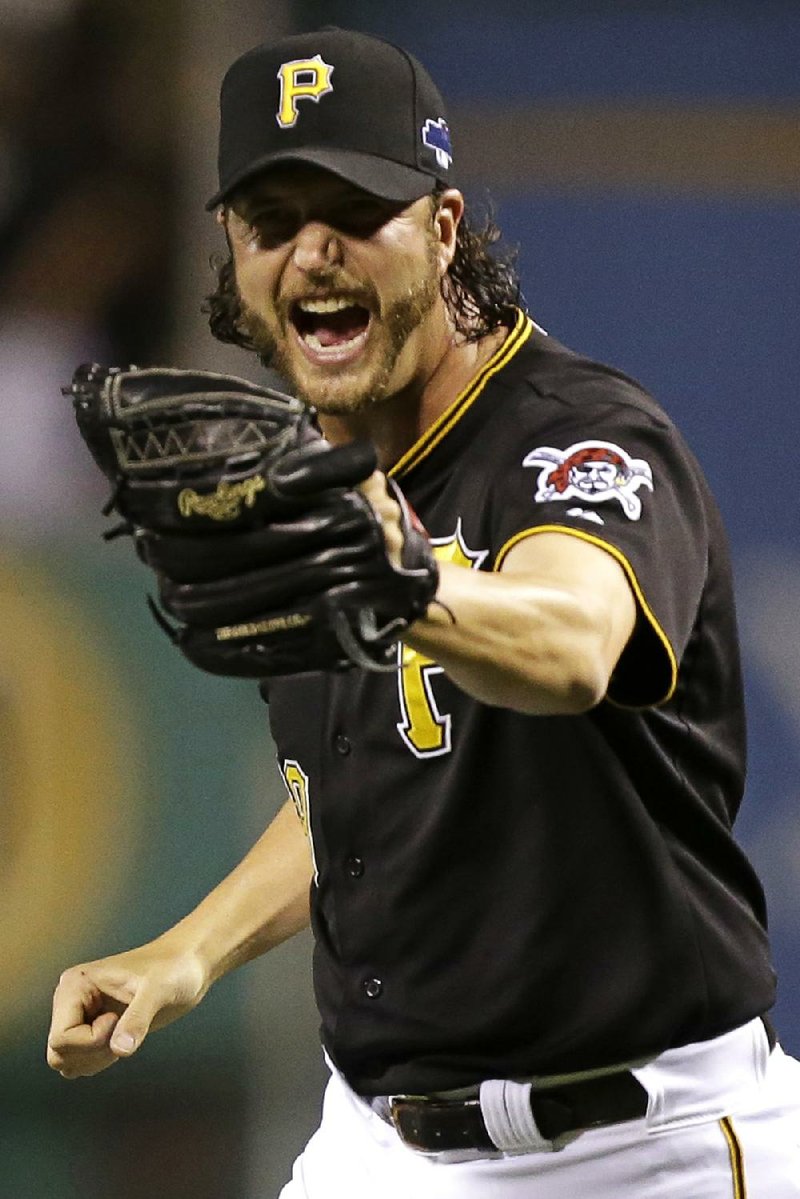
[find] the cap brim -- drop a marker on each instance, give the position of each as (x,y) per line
(378,176)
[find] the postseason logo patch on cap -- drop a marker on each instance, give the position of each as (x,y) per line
(436,136)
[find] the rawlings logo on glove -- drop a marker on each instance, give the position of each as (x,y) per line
(267,555)
(225,503)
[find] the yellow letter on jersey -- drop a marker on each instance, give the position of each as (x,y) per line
(423,728)
(301,79)
(296,781)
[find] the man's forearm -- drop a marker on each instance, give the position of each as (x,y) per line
(262,902)
(515,643)
(541,636)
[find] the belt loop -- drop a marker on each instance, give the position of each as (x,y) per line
(508,1116)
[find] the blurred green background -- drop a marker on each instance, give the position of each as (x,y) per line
(130,786)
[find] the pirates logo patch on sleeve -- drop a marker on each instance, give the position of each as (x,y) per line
(593,471)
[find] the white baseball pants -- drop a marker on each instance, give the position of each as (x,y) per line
(723,1122)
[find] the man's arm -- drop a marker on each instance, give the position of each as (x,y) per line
(542,636)
(103,1010)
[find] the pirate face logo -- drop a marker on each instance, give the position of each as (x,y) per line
(592,478)
(591,470)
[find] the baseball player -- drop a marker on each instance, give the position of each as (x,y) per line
(540,959)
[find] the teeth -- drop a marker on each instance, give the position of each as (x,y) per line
(334,304)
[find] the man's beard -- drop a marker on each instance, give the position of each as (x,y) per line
(397,322)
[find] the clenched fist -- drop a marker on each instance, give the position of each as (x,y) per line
(103,1010)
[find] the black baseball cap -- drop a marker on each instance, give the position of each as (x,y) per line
(348,102)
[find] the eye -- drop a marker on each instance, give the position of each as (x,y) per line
(362,218)
(265,227)
(271,228)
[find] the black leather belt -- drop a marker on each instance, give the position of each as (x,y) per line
(436,1125)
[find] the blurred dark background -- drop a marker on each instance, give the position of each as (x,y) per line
(645,159)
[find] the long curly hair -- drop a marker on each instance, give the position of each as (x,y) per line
(481,288)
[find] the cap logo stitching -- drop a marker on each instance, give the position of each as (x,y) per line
(436,136)
(301,79)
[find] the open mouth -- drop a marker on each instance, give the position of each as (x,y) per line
(331,328)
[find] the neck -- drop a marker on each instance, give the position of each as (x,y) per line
(399,420)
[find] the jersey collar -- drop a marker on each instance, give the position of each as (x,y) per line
(454,413)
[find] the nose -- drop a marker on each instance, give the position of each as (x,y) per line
(317,246)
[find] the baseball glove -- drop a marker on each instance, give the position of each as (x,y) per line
(269,559)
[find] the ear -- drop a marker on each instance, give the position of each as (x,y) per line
(222,217)
(445,224)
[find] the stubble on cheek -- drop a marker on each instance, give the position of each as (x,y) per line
(365,382)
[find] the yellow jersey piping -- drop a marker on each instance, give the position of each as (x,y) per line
(631,576)
(737,1158)
(453,413)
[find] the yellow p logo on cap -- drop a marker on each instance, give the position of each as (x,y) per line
(301,79)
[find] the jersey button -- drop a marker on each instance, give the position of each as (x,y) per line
(373,987)
(343,745)
(354,867)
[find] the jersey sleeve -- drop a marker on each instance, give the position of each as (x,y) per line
(618,476)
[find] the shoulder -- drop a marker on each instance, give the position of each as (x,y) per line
(551,382)
(562,412)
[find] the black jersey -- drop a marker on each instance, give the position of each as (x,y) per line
(499,894)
